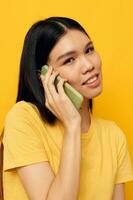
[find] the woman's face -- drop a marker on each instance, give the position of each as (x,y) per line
(76,60)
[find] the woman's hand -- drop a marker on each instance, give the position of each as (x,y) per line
(57,101)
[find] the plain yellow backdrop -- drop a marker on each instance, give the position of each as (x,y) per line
(109,24)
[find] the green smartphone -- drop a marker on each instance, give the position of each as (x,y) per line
(74,95)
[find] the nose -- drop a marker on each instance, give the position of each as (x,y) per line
(87,66)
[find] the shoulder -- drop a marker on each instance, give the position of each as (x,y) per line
(110,128)
(23,110)
(22,106)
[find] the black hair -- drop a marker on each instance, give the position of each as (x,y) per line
(38,43)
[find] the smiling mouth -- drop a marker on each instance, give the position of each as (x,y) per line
(91,80)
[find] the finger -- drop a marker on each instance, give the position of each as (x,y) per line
(52,102)
(60,87)
(45,79)
(51,93)
(52,84)
(48,74)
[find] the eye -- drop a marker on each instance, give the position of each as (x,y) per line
(68,60)
(90,49)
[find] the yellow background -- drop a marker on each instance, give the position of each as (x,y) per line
(109,24)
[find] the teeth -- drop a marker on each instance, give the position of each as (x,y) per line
(91,80)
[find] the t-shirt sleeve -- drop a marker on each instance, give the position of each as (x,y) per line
(22,143)
(124,164)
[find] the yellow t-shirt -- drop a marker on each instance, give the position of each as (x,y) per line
(105,159)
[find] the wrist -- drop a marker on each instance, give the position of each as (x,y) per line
(73,127)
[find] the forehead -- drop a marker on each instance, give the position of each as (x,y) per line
(72,40)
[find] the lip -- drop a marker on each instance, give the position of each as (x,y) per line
(96,74)
(94,84)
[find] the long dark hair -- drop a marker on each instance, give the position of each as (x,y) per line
(38,43)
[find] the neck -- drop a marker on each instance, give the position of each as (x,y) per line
(85,117)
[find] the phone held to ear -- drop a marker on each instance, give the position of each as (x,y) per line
(74,95)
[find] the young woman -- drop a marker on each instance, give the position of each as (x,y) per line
(52,151)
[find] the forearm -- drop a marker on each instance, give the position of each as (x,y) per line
(66,184)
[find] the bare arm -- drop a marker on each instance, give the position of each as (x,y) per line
(66,183)
(118,193)
(39,180)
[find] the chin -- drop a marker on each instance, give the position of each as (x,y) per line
(93,93)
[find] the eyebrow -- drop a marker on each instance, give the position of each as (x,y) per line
(72,52)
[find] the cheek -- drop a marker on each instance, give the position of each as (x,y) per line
(97,60)
(64,74)
(72,77)
(75,81)
(68,74)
